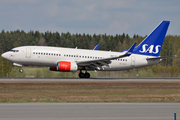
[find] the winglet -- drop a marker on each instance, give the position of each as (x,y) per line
(96,47)
(129,52)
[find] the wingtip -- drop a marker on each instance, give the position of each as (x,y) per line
(130,51)
(132,47)
(96,47)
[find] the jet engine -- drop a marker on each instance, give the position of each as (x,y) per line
(65,66)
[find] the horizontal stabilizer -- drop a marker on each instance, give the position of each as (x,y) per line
(162,57)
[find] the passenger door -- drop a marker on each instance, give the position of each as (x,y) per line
(132,60)
(28,52)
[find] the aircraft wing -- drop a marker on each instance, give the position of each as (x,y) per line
(97,63)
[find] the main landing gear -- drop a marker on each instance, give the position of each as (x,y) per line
(84,75)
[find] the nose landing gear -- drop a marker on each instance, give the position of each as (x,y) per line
(20,70)
(84,75)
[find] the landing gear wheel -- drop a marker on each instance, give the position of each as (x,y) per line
(81,75)
(20,70)
(87,75)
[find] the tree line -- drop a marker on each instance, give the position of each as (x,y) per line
(118,42)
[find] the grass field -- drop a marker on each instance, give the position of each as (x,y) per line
(89,92)
(44,72)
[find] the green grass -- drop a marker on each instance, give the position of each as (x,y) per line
(89,92)
(44,72)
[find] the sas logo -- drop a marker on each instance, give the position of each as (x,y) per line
(150,49)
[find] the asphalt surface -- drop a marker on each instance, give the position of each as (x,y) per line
(88,80)
(89,111)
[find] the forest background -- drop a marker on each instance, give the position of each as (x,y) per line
(167,68)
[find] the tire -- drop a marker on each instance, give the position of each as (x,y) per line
(20,70)
(81,75)
(87,75)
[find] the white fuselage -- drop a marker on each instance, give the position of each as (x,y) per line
(50,56)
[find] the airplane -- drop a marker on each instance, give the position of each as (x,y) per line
(73,59)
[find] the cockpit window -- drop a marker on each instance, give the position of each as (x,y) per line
(14,50)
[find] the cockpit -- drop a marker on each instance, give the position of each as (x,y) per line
(14,50)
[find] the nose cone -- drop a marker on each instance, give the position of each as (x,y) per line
(4,55)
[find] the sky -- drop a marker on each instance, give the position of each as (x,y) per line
(112,17)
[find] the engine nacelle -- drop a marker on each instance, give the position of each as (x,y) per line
(65,66)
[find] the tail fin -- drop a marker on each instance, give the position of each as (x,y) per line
(152,44)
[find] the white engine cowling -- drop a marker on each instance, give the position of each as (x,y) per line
(65,66)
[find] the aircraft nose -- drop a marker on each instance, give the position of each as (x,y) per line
(4,55)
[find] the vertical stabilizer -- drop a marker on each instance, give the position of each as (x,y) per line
(152,44)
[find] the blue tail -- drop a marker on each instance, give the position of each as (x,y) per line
(152,44)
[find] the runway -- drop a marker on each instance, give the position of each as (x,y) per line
(90,80)
(88,111)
